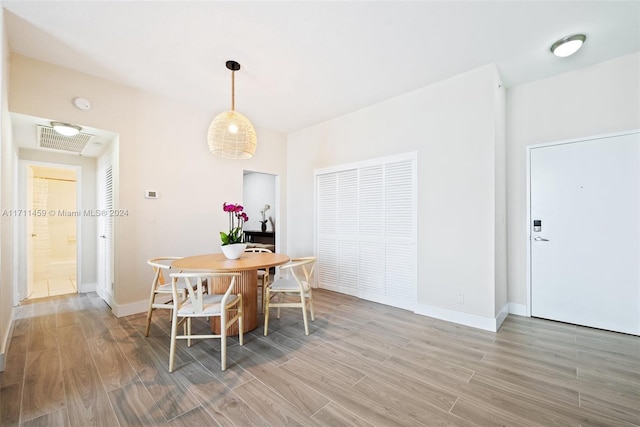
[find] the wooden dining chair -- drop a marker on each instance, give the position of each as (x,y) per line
(162,288)
(292,291)
(263,276)
(200,304)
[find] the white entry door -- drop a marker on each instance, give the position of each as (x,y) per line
(585,232)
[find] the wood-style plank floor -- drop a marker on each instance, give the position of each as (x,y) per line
(72,363)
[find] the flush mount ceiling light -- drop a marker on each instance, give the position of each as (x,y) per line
(568,45)
(231,135)
(65,128)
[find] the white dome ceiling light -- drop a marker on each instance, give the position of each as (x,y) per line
(569,45)
(65,128)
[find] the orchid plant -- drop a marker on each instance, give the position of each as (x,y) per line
(237,218)
(263,212)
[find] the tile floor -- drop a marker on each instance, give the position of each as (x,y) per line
(52,287)
(71,362)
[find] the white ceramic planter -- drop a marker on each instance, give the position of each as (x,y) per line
(233,251)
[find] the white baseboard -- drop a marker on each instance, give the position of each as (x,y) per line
(84,288)
(467,319)
(502,315)
(473,320)
(517,309)
(6,340)
(122,310)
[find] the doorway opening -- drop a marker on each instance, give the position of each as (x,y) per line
(261,204)
(52,230)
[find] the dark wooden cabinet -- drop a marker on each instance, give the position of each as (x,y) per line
(260,239)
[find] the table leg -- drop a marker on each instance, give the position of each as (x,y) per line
(246,285)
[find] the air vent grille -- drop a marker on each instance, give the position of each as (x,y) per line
(52,140)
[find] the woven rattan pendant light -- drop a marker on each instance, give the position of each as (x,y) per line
(231,135)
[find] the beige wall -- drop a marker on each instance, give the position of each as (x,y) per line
(162,147)
(452,126)
(600,99)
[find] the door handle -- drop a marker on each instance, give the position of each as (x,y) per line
(34,235)
(540,239)
(103,237)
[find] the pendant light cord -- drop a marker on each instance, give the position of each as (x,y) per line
(233,90)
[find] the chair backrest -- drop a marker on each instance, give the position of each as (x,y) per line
(196,293)
(258,250)
(159,265)
(304,264)
(308,264)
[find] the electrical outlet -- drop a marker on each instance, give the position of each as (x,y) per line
(460,298)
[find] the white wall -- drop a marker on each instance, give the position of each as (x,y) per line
(600,99)
(259,189)
(452,126)
(162,146)
(62,195)
(8,161)
(500,217)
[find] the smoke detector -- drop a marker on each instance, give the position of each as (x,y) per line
(82,103)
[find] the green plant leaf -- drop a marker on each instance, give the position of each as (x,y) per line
(225,238)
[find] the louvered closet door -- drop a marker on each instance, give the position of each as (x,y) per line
(105,229)
(337,231)
(366,232)
(372,246)
(400,235)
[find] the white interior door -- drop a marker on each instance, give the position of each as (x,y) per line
(585,255)
(105,230)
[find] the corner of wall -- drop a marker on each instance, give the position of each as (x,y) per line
(84,288)
(7,171)
(518,309)
(500,188)
(6,341)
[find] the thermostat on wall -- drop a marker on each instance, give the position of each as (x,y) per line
(151,194)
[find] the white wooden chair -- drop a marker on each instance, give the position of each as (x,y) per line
(293,291)
(263,276)
(161,287)
(200,304)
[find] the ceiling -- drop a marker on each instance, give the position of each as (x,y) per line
(306,62)
(25,132)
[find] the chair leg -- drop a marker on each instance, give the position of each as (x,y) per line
(223,340)
(188,332)
(264,295)
(240,320)
(265,283)
(266,312)
(149,312)
(304,315)
(279,301)
(174,332)
(311,306)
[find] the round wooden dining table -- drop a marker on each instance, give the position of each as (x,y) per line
(247,284)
